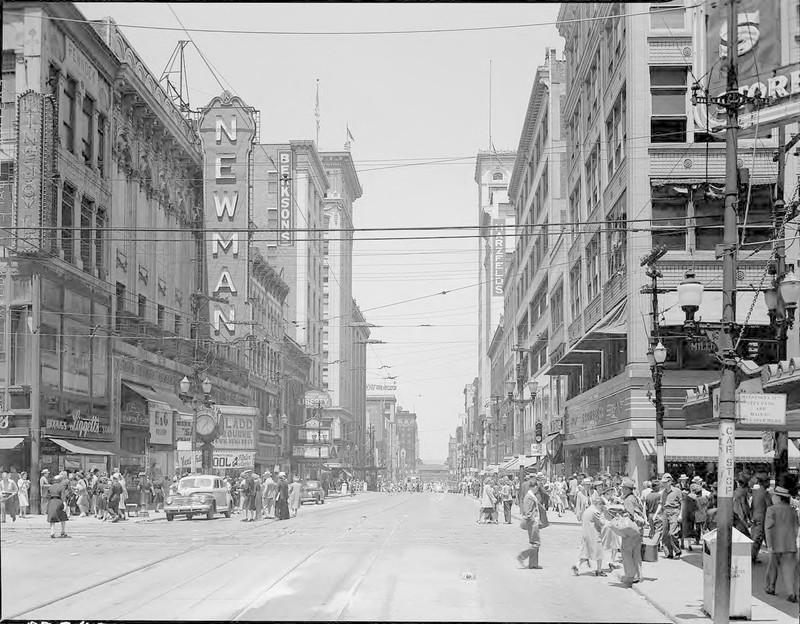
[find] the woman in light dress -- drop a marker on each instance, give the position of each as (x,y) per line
(295,489)
(24,486)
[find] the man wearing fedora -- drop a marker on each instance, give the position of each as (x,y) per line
(780,528)
(44,485)
(670,509)
(632,543)
(762,500)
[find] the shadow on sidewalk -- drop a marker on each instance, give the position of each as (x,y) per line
(759,577)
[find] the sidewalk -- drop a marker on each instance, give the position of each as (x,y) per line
(675,587)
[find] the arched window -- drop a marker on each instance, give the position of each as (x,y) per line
(498,175)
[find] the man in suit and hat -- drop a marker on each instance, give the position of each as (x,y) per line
(670,508)
(780,528)
(762,500)
(44,486)
(632,542)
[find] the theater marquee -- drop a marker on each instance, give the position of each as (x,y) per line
(227,129)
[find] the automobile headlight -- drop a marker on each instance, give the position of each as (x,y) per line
(169,500)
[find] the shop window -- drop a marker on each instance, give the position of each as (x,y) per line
(20,353)
(669,207)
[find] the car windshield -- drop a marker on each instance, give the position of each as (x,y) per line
(312,484)
(194,482)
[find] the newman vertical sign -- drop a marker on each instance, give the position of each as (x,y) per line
(285,199)
(227,130)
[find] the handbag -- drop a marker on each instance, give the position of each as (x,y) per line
(543,521)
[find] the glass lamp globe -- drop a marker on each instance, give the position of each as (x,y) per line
(533,386)
(690,292)
(660,353)
(771,299)
(790,289)
(651,358)
(185,384)
(510,385)
(206,386)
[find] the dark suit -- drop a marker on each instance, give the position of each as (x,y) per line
(762,500)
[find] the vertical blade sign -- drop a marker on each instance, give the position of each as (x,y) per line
(227,130)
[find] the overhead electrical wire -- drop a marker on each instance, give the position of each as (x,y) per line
(418,31)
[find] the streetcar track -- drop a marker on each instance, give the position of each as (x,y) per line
(280,579)
(282,532)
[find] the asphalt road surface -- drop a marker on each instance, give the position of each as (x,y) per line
(375,557)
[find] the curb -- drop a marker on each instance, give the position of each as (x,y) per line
(618,574)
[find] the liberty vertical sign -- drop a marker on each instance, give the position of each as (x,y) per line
(285,199)
(227,130)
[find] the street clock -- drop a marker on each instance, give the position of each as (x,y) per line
(207,426)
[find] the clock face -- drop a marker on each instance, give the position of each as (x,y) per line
(205,424)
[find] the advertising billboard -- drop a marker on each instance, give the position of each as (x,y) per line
(227,130)
(760,68)
(497,244)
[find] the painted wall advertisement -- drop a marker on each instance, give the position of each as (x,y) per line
(584,420)
(238,432)
(221,460)
(160,423)
(227,129)
(285,198)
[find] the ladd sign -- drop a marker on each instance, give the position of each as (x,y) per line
(227,130)
(285,208)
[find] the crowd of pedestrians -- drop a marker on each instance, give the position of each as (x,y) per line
(619,523)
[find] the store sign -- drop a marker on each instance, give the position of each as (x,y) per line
(537,449)
(310,452)
(586,418)
(238,432)
(761,409)
(233,459)
(381,387)
(317,399)
(85,425)
(285,198)
(160,423)
(227,129)
(183,427)
(133,414)
(497,245)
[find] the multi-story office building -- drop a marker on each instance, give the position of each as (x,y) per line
(495,250)
(407,439)
(364,439)
(641,172)
(340,372)
(381,406)
(536,282)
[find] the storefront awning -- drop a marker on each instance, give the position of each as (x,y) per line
(707,450)
(83,448)
(165,399)
(7,443)
(614,323)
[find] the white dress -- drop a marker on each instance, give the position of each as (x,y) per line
(23,485)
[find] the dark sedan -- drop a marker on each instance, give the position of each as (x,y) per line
(312,493)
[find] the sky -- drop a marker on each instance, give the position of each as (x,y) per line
(408,99)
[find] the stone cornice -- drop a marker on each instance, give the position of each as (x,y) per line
(267,276)
(311,150)
(345,160)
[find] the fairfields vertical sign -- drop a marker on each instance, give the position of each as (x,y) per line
(227,129)
(35,169)
(285,198)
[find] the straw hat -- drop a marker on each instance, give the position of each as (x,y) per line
(627,482)
(781,491)
(666,478)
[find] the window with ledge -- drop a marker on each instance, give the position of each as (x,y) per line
(142,307)
(592,179)
(178,324)
(67,223)
(668,121)
(576,300)
(160,316)
(99,239)
(68,113)
(557,307)
(87,130)
(87,212)
(669,15)
(9,96)
(617,237)
(101,145)
(616,134)
(593,268)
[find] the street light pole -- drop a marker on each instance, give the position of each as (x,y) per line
(727,406)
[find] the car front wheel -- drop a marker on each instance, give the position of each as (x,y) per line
(210,513)
(169,517)
(189,516)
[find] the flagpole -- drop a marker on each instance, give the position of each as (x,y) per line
(316,113)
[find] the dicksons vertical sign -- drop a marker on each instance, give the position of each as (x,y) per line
(227,129)
(285,198)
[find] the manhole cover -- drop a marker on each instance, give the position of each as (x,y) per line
(468,576)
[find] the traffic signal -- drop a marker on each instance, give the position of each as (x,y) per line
(538,434)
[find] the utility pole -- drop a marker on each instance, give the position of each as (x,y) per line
(727,396)
(653,273)
(779,227)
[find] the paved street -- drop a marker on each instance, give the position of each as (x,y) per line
(372,557)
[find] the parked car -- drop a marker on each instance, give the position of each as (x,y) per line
(198,495)
(312,493)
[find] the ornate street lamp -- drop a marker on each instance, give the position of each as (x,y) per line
(690,296)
